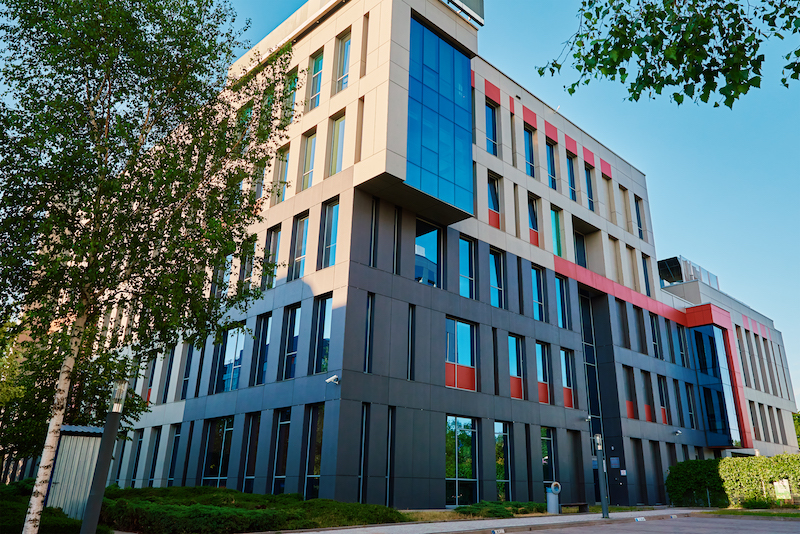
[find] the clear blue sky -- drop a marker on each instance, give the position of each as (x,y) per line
(723,184)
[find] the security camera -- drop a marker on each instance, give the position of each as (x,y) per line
(333,380)
(678,432)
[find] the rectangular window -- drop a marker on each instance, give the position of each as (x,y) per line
(137,455)
(624,329)
(168,375)
(642,341)
(316,417)
(466,268)
(684,356)
(243,119)
(631,406)
(533,221)
(502,463)
(580,250)
(496,276)
(690,406)
(461,354)
(649,402)
(281,177)
(252,424)
(646,271)
(461,461)
(370,333)
(322,342)
(154,457)
(543,371)
(396,237)
(639,225)
(670,341)
(330,225)
(568,378)
(676,386)
(562,303)
(551,165)
(549,470)
(516,367)
(491,128)
(494,202)
(555,221)
(530,149)
(655,330)
(337,146)
(363,453)
(282,419)
(173,456)
(297,262)
(289,96)
(291,343)
(271,248)
(343,63)
(412,327)
(187,370)
(261,348)
(573,192)
(754,419)
(316,80)
(220,282)
(539,303)
(228,356)
(309,150)
(373,233)
(663,398)
(589,188)
(426,254)
(217,452)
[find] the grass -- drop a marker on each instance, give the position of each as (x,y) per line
(778,512)
(596,509)
(429,516)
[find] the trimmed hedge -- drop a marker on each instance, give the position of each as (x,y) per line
(501,509)
(744,481)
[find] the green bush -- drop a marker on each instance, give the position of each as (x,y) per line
(501,509)
(758,504)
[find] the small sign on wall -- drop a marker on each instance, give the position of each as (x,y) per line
(782,491)
(614,462)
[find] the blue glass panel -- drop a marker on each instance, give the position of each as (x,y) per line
(463,82)
(430,78)
(447,150)
(447,192)
(430,98)
(415,70)
(416,41)
(430,160)
(412,175)
(465,200)
(446,74)
(464,119)
(430,183)
(430,51)
(414,132)
(430,128)
(447,109)
(415,89)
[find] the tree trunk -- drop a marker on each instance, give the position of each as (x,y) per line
(36,505)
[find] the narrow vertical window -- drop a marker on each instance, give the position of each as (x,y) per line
(330,224)
(551,165)
(502,460)
(397,237)
(390,456)
(337,146)
(461,461)
(460,354)
(639,225)
(252,424)
(516,367)
(562,303)
(555,222)
(646,271)
(323,334)
(261,348)
(573,192)
(568,378)
(187,370)
(655,330)
(466,268)
(370,333)
(137,455)
(309,150)
(246,263)
(173,460)
(316,80)
(168,376)
(154,457)
(589,188)
(364,45)
(228,355)
(373,233)
(676,386)
(496,275)
(494,202)
(631,407)
(362,457)
(580,249)
(491,128)
(649,403)
(218,452)
(271,249)
(412,326)
(690,406)
(684,356)
(220,282)
(530,165)
(282,420)
(426,254)
(537,281)
(297,262)
(281,177)
(663,400)
(316,417)
(289,97)
(549,464)
(533,221)
(343,63)
(292,341)
(543,371)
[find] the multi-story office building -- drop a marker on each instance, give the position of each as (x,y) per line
(480,276)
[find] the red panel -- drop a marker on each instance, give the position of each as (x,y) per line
(551,132)
(631,409)
(473,79)
(450,374)
(544,392)
(494,218)
(737,384)
(465,377)
(571,145)
(588,157)
(746,322)
(763,330)
(529,116)
(567,397)
(511,104)
(663,415)
(648,413)
(492,91)
(605,167)
(516,387)
(534,238)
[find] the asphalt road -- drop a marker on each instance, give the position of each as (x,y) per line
(688,525)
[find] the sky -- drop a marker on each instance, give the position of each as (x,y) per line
(723,189)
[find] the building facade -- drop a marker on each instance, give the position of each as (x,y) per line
(467,291)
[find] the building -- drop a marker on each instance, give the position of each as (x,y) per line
(467,292)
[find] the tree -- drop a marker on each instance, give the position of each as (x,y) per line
(796,419)
(129,179)
(695,49)
(10,388)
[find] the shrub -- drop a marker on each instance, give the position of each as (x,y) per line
(501,509)
(758,503)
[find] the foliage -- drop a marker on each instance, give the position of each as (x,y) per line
(501,509)
(10,387)
(218,510)
(796,419)
(744,481)
(14,503)
(695,49)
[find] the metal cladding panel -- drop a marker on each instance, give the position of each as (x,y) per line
(72,474)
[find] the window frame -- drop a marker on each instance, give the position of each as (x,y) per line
(529,136)
(552,171)
(329,233)
(291,342)
(299,249)
(497,274)
(468,277)
(343,46)
(336,159)
(539,291)
(459,426)
(315,86)
(493,133)
(573,191)
(309,153)
(563,305)
(261,348)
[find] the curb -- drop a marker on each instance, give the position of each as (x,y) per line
(742,516)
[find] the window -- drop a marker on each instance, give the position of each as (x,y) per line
(246,263)
(261,348)
(156,441)
(271,249)
(646,272)
(516,367)
(316,418)
(309,149)
(291,343)
(373,233)
(502,457)
(168,375)
(551,165)
(466,268)
(396,237)
(222,278)
(580,249)
(363,453)
(173,459)
(426,254)
(297,262)
(533,221)
(496,275)
(530,165)
(461,354)
(589,188)
(568,378)
(676,386)
(754,419)
(412,328)
(670,341)
(330,224)
(491,128)
(337,146)
(252,424)
(624,329)
(537,281)
(573,192)
(638,205)
(543,371)
(682,346)
(370,333)
(649,403)
(218,452)
(655,329)
(228,356)
(555,221)
(243,117)
(281,178)
(562,303)
(389,476)
(289,96)
(494,202)
(663,399)
(631,406)
(316,80)
(137,455)
(323,334)
(187,369)
(343,64)
(690,406)
(549,463)
(282,419)
(461,461)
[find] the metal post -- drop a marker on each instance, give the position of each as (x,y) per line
(601,474)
